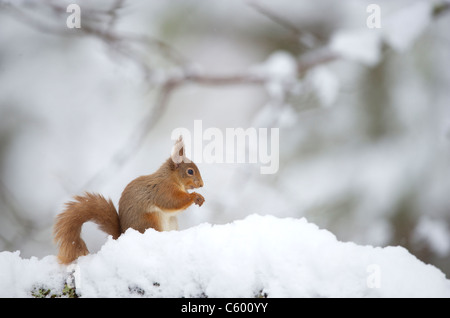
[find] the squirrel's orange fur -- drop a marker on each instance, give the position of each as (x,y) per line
(150,201)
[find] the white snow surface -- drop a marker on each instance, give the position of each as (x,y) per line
(255,256)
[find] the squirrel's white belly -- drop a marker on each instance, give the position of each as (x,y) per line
(169,220)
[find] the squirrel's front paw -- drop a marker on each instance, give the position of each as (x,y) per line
(199,199)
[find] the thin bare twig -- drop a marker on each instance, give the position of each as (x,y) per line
(306,38)
(118,4)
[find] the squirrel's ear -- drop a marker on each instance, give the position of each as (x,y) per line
(178,151)
(181,151)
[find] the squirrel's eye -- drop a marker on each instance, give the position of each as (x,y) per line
(190,172)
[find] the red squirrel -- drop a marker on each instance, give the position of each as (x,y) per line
(151,201)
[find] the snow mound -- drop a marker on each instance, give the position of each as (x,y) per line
(257,256)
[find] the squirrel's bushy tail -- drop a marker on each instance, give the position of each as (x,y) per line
(67,230)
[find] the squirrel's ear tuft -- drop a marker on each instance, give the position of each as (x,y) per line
(177,155)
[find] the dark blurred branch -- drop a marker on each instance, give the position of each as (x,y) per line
(275,17)
(12,214)
(440,8)
(117,5)
(308,39)
(138,137)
